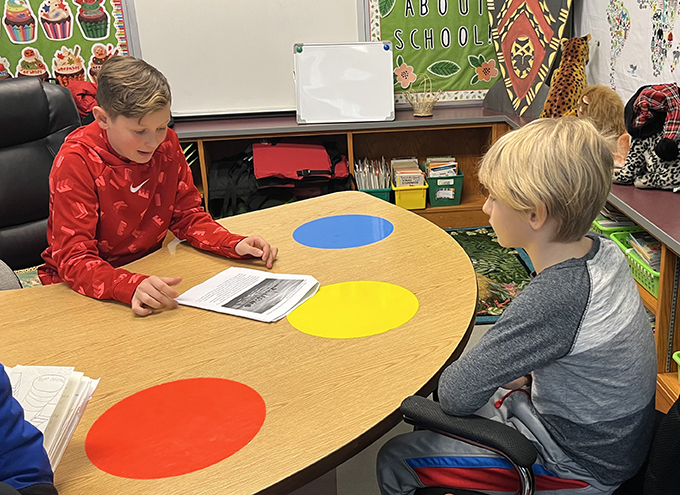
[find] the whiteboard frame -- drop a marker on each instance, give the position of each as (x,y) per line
(338,99)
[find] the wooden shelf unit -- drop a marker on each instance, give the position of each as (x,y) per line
(464,132)
(654,211)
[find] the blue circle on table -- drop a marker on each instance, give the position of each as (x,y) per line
(343,231)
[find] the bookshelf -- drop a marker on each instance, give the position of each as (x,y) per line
(464,132)
(655,211)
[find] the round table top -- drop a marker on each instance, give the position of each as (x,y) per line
(326,399)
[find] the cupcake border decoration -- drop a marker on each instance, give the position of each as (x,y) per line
(59,30)
(64,54)
(41,61)
(23,31)
(5,67)
(95,63)
(93,31)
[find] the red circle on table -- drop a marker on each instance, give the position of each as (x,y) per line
(175,428)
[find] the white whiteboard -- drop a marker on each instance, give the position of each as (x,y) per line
(344,82)
(235,56)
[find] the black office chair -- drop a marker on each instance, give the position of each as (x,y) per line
(660,475)
(8,279)
(35,118)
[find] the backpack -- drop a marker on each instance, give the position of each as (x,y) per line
(236,185)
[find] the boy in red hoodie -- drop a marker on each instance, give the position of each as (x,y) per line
(118,185)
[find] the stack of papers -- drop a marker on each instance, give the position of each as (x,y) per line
(647,247)
(441,166)
(54,399)
(371,174)
(611,217)
(256,294)
(406,172)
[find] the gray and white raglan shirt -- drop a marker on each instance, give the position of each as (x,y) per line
(580,328)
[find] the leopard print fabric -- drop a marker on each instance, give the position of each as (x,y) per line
(568,79)
(645,169)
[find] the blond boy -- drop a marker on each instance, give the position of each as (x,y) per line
(118,185)
(571,362)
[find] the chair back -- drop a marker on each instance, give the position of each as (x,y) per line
(35,118)
(8,279)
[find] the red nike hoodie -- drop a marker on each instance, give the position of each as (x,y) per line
(106,211)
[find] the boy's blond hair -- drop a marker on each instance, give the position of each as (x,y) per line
(604,107)
(131,87)
(564,164)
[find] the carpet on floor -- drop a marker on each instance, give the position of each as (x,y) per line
(501,272)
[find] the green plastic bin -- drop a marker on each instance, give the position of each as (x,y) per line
(445,191)
(384,194)
(676,358)
(608,231)
(646,276)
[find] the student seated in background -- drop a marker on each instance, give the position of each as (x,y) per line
(571,363)
(24,465)
(604,108)
(118,185)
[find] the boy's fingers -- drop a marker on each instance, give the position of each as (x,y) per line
(163,286)
(152,301)
(138,309)
(272,256)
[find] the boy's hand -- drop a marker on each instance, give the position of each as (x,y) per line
(519,383)
(257,247)
(155,293)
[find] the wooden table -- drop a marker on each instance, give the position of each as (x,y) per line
(326,399)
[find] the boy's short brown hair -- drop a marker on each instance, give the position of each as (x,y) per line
(564,164)
(131,87)
(604,107)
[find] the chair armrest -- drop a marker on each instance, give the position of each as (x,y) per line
(474,430)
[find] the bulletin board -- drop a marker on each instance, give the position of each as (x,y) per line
(449,41)
(634,42)
(60,40)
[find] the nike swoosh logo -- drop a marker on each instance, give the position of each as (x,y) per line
(135,189)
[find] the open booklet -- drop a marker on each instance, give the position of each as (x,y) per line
(255,294)
(54,399)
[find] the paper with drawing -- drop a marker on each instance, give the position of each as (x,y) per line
(255,294)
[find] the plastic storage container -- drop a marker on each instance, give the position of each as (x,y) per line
(608,231)
(445,191)
(410,197)
(384,194)
(676,358)
(646,276)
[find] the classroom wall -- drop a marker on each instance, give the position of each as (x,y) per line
(632,42)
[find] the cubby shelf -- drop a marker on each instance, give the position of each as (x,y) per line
(465,132)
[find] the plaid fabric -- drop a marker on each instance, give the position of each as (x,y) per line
(660,98)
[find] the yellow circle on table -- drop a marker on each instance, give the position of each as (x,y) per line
(354,309)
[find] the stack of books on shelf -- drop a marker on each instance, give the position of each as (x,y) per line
(405,172)
(611,217)
(441,166)
(647,247)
